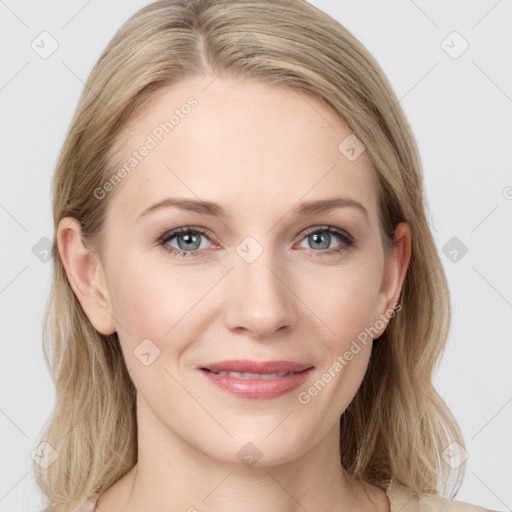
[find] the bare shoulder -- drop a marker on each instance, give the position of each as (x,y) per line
(404,500)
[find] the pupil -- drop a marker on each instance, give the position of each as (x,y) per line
(190,239)
(317,238)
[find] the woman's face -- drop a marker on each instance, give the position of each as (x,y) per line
(262,272)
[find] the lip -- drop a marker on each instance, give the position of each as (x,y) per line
(257,388)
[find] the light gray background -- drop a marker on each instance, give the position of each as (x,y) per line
(460,110)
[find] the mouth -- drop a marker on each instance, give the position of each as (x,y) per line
(247,375)
(257,380)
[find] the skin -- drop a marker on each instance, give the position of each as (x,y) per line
(257,150)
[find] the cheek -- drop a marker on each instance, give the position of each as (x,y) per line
(158,302)
(344,301)
(150,307)
(148,297)
(347,310)
(136,299)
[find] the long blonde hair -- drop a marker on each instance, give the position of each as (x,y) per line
(397,425)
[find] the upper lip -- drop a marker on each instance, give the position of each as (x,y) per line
(248,366)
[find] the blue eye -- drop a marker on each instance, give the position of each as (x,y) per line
(321,238)
(189,241)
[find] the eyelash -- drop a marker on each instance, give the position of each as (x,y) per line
(348,241)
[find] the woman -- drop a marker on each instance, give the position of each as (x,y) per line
(207,354)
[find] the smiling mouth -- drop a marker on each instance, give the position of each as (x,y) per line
(256,385)
(263,380)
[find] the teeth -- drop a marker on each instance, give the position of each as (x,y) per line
(247,375)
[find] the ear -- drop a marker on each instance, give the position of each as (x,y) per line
(85,275)
(395,270)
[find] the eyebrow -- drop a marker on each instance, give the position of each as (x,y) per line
(214,209)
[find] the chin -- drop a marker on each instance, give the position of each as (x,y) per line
(259,451)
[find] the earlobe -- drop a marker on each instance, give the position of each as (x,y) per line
(85,275)
(395,271)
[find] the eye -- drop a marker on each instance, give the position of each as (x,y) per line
(188,241)
(322,237)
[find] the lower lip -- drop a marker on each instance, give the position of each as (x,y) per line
(264,389)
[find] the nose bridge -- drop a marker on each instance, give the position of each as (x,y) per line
(259,299)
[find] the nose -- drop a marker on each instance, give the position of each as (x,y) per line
(260,301)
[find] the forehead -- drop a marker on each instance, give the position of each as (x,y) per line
(247,145)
